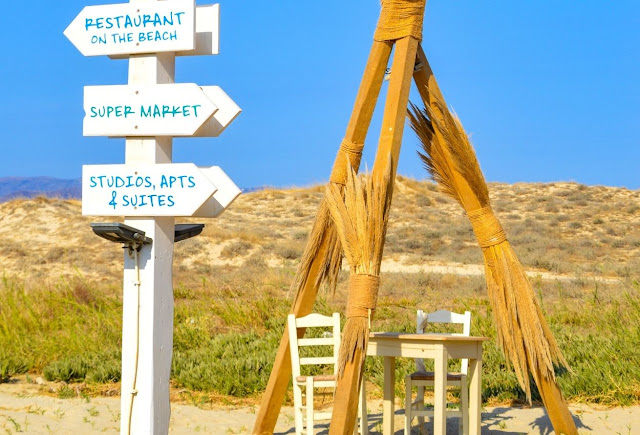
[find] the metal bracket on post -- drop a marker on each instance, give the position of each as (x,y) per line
(121,233)
(127,235)
(186,231)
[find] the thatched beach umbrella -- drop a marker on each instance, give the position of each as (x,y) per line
(523,333)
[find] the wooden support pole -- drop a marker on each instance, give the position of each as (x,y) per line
(555,405)
(147,326)
(430,92)
(281,372)
(303,304)
(345,405)
(345,413)
(368,93)
(395,109)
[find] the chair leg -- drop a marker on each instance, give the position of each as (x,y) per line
(310,423)
(464,406)
(364,424)
(297,407)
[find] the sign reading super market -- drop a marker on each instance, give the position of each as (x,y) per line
(146,110)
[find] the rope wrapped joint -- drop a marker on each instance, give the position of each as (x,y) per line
(399,19)
(486,227)
(349,155)
(363,295)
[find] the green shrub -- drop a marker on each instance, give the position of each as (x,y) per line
(93,368)
(236,364)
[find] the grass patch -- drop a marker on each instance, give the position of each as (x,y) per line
(227,331)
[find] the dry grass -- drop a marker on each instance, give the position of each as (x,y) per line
(43,239)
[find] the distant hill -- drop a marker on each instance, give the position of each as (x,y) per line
(29,187)
(564,232)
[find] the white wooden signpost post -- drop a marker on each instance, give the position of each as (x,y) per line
(148,189)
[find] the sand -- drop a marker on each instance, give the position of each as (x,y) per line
(25,409)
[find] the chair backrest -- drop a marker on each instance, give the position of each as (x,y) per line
(296,326)
(444,316)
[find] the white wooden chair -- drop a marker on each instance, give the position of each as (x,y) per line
(305,416)
(421,378)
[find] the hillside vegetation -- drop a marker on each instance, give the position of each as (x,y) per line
(61,287)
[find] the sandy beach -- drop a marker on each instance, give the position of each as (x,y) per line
(25,409)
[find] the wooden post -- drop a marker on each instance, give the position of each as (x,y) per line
(555,405)
(303,304)
(429,92)
(345,405)
(146,350)
(395,109)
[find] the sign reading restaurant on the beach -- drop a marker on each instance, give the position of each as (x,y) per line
(129,28)
(145,110)
(177,189)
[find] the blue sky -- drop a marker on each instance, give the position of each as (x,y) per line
(548,90)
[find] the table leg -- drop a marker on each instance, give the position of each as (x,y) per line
(475,395)
(440,393)
(389,395)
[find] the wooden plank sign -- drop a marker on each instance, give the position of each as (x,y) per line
(177,189)
(145,110)
(226,194)
(207,33)
(228,110)
(133,28)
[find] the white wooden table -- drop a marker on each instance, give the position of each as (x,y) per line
(438,347)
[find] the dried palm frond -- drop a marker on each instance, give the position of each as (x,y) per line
(523,333)
(323,247)
(360,217)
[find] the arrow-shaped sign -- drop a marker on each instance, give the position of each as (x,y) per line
(226,194)
(207,32)
(228,110)
(145,110)
(128,28)
(177,189)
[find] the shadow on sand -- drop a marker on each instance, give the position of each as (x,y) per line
(492,423)
(500,417)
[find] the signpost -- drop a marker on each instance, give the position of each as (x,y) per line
(148,189)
